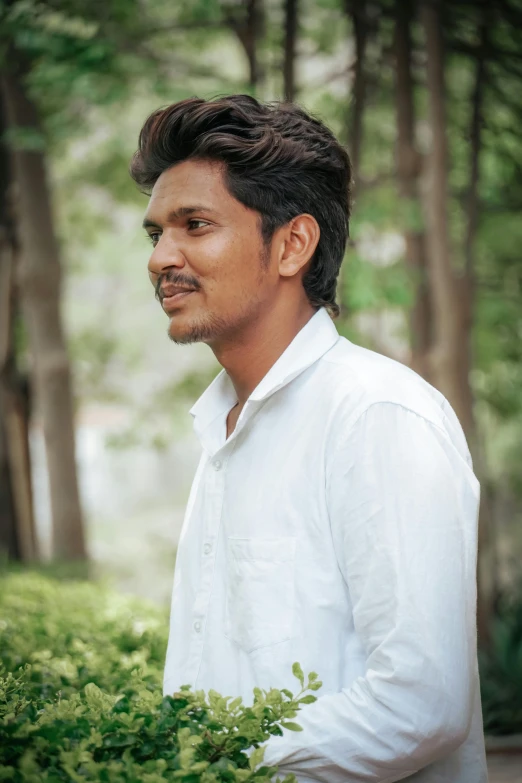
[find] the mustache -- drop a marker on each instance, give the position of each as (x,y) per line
(174,279)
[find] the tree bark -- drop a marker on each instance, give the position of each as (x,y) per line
(9,534)
(249,29)
(408,170)
(291,11)
(40,289)
(487,562)
(452,297)
(9,543)
(17,531)
(356,11)
(449,358)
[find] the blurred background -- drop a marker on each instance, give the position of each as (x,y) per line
(96,444)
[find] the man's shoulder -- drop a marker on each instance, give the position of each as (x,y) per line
(356,378)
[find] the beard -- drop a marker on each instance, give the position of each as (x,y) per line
(214,329)
(206,330)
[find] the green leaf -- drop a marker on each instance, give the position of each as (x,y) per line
(256,758)
(298,672)
(291,726)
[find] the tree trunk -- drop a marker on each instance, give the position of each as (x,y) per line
(291,10)
(17,531)
(9,543)
(487,560)
(250,30)
(40,288)
(452,297)
(356,11)
(449,359)
(9,537)
(408,170)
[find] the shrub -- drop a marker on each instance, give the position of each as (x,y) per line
(80,696)
(501,670)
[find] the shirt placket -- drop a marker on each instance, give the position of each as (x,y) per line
(214,487)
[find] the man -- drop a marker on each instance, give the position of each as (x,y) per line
(333,515)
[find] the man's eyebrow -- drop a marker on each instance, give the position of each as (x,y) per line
(175,214)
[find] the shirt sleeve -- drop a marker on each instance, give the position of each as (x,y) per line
(403,506)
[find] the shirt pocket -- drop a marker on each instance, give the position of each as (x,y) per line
(260,591)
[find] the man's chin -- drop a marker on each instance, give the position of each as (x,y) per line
(182,338)
(209,328)
(195,333)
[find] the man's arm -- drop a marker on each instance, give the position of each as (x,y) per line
(403,509)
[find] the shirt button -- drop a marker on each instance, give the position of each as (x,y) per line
(207,549)
(197,626)
(217,465)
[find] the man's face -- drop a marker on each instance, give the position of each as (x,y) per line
(208,243)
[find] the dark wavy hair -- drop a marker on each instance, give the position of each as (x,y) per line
(278,161)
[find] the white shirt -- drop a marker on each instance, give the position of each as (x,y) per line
(337,527)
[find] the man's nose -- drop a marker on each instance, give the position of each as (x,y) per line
(165,255)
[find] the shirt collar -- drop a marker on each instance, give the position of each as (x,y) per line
(316,337)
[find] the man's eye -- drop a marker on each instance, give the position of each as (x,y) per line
(154,237)
(195,224)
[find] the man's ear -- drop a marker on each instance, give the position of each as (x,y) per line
(298,241)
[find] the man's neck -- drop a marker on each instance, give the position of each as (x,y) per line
(248,360)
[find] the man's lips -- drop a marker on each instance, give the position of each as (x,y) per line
(175,295)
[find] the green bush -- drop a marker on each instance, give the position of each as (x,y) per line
(81,700)
(501,670)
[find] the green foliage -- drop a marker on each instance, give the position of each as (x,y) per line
(501,672)
(81,700)
(71,55)
(72,633)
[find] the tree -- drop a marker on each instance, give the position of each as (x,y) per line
(248,22)
(291,17)
(356,10)
(409,165)
(487,566)
(452,294)
(449,357)
(17,531)
(40,286)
